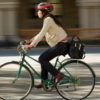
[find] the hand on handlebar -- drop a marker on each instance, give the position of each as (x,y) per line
(27,46)
(27,41)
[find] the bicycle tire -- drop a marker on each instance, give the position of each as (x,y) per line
(21,88)
(79,82)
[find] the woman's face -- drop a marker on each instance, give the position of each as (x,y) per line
(40,14)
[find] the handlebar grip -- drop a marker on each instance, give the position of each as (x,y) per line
(22,42)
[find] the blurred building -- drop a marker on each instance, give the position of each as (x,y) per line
(21,14)
(8,20)
(73,13)
(89,13)
(66,10)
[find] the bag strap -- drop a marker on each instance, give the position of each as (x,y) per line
(76,38)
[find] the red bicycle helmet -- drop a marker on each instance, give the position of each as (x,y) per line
(45,6)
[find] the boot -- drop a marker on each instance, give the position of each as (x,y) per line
(59,77)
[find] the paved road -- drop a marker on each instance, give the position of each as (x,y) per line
(92,57)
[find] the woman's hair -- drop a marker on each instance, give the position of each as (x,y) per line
(56,20)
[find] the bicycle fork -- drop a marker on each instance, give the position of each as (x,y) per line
(19,71)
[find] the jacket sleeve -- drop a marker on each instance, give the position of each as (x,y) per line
(41,34)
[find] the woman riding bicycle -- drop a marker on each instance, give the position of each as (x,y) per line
(55,36)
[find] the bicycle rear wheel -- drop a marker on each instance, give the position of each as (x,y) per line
(18,90)
(79,80)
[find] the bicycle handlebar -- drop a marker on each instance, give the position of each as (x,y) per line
(21,49)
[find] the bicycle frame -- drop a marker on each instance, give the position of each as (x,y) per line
(32,69)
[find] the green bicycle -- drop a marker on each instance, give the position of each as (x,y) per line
(17,78)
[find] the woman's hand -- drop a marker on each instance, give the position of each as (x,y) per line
(27,41)
(27,46)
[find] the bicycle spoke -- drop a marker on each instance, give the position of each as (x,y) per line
(15,90)
(79,85)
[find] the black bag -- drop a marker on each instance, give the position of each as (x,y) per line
(76,49)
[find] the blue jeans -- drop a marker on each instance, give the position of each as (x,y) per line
(62,48)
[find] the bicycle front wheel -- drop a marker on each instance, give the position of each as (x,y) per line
(79,80)
(18,90)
